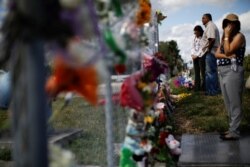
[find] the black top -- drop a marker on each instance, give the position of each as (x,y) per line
(239,57)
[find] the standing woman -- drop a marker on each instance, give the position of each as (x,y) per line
(198,60)
(231,73)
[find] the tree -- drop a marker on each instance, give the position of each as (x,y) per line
(170,51)
(247,62)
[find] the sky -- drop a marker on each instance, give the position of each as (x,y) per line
(183,15)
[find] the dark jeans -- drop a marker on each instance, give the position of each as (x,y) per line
(212,84)
(199,73)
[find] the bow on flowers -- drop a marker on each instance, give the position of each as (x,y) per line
(82,80)
(144,13)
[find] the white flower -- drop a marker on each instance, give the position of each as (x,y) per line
(60,157)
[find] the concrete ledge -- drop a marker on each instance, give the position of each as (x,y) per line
(65,137)
(62,138)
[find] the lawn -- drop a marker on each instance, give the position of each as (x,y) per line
(198,113)
(193,114)
(90,148)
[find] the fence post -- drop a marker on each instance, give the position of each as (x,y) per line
(29,105)
(156,32)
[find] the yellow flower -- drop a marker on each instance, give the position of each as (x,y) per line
(141,85)
(147,89)
(183,95)
(148,119)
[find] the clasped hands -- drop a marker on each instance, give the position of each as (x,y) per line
(194,57)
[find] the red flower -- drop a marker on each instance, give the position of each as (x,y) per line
(163,135)
(162,117)
(130,96)
(120,68)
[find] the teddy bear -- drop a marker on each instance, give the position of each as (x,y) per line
(173,145)
(159,112)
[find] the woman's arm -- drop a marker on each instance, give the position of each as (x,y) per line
(237,42)
(220,55)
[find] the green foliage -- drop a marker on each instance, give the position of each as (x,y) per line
(5,154)
(4,123)
(247,62)
(170,51)
(164,156)
(246,110)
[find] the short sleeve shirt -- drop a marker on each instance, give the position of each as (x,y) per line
(211,31)
(196,47)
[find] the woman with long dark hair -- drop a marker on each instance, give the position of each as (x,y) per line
(231,73)
(198,60)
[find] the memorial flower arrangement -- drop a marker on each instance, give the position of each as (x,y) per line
(150,126)
(149,133)
(183,81)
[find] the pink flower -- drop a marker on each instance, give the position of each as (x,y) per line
(130,96)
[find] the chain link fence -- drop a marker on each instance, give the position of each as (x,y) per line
(90,147)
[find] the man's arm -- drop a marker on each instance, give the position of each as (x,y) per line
(211,42)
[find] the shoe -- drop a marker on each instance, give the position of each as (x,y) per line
(224,133)
(229,137)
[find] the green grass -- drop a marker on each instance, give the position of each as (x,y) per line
(4,122)
(90,148)
(198,113)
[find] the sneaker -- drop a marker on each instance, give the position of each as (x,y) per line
(229,136)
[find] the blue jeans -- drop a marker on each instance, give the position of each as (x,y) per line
(212,85)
